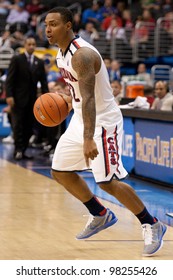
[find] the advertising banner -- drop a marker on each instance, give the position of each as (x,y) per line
(128,145)
(154,150)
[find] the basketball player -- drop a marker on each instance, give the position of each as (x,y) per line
(93,138)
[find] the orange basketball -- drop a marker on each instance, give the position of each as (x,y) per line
(50,109)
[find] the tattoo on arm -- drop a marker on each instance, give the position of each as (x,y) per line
(83,63)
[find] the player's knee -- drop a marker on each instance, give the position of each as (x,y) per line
(107,187)
(57,176)
(53,174)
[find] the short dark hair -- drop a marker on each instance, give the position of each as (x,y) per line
(30,37)
(164,83)
(65,13)
(148,89)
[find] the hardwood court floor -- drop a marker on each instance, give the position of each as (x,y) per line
(39,221)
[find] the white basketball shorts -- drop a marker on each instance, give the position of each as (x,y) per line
(69,155)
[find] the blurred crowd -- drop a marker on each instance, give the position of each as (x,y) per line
(22,18)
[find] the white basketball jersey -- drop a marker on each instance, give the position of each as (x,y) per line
(103,91)
(68,154)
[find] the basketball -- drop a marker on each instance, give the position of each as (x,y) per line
(50,109)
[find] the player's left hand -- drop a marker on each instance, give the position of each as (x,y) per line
(90,150)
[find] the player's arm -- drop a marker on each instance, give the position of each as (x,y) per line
(86,63)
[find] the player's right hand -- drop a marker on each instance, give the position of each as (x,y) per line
(67,99)
(90,150)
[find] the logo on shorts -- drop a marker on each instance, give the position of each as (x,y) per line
(112,150)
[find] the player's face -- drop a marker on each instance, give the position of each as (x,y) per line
(56,30)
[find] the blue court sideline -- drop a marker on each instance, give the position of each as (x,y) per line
(157,198)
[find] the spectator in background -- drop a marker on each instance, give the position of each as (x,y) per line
(5,41)
(77,23)
(168,28)
(153,6)
(148,19)
(14,4)
(127,23)
(136,9)
(36,28)
(24,73)
(116,32)
(107,9)
(92,15)
(149,94)
(167,6)
(107,21)
(140,35)
(164,99)
(117,91)
(4,7)
(90,33)
(33,23)
(147,4)
(17,39)
(18,18)
(142,74)
(157,9)
(115,72)
(127,19)
(120,7)
(35,7)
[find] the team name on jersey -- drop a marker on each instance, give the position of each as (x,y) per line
(67,75)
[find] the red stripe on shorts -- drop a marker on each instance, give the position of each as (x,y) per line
(105,151)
